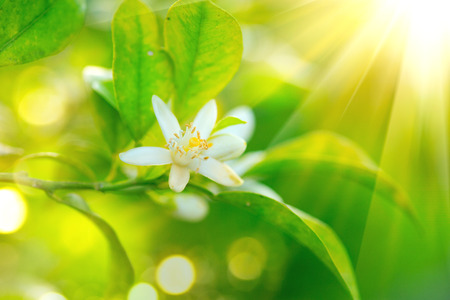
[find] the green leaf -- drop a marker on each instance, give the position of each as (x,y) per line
(227,122)
(106,115)
(32,29)
(308,231)
(110,126)
(121,274)
(205,43)
(329,152)
(141,68)
(106,90)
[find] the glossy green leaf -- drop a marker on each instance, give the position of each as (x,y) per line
(308,231)
(111,127)
(121,271)
(328,152)
(227,122)
(141,68)
(106,115)
(32,29)
(205,43)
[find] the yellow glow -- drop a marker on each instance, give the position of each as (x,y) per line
(175,274)
(246,258)
(13,210)
(77,234)
(143,291)
(43,106)
(52,296)
(428,20)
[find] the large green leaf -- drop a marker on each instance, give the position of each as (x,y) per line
(329,152)
(141,68)
(206,46)
(106,115)
(32,29)
(308,231)
(121,271)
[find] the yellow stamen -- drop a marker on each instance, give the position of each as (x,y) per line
(210,145)
(194,142)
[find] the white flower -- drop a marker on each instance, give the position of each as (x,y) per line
(190,149)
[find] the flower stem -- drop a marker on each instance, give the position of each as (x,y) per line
(21,178)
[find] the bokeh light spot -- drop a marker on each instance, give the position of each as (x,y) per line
(13,210)
(190,207)
(175,274)
(246,258)
(42,107)
(52,296)
(143,291)
(245,266)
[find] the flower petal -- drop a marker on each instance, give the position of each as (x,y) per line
(166,119)
(206,119)
(246,162)
(146,156)
(219,172)
(225,147)
(178,178)
(246,130)
(94,73)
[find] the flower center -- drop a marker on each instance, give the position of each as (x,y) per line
(187,145)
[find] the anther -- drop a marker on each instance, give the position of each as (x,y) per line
(194,142)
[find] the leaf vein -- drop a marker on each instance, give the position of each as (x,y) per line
(197,42)
(28,26)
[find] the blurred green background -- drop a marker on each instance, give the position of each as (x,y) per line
(375,71)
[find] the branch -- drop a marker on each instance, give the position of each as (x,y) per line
(21,178)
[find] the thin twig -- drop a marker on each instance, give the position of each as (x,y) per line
(22,178)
